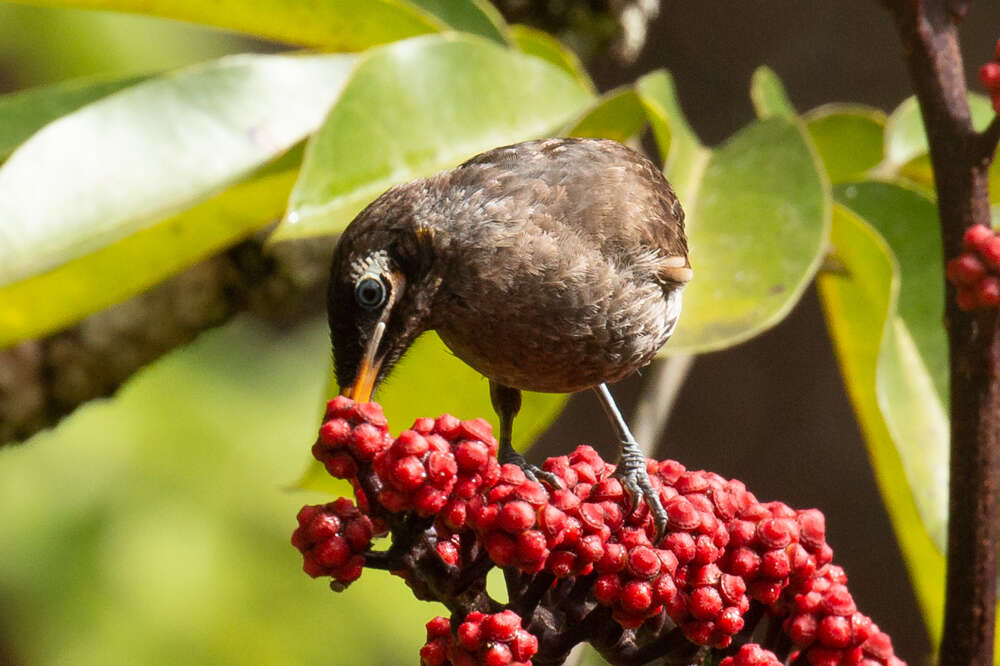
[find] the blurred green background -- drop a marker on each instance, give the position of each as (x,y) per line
(153,528)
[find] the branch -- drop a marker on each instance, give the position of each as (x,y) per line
(960,159)
(43,380)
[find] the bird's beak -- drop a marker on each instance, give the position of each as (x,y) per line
(371,363)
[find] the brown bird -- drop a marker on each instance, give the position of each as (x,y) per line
(553,266)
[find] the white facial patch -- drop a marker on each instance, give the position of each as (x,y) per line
(374,264)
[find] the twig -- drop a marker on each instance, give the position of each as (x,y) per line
(960,158)
(43,380)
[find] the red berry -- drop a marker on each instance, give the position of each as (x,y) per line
(705,603)
(448,552)
(502,626)
(471,455)
(607,589)
(433,654)
(988,291)
(730,620)
(989,74)
(516,516)
(976,236)
(834,631)
(524,646)
(429,500)
(967,299)
(990,251)
(965,270)
(637,596)
(334,552)
(643,562)
(498,654)
(408,473)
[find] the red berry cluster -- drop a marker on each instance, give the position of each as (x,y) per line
(332,539)
(492,640)
(826,624)
(989,74)
(352,433)
(751,654)
(576,552)
(976,272)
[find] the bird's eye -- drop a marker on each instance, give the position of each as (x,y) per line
(370,293)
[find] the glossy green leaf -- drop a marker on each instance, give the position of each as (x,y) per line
(431,380)
(617,115)
(761,185)
(24,113)
(57,298)
(768,95)
(848,138)
(419,106)
(860,302)
(116,166)
(343,25)
(543,45)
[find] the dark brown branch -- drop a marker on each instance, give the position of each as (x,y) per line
(930,45)
(41,381)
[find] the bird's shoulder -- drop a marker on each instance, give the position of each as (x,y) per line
(591,191)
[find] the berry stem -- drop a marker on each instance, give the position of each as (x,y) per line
(379,560)
(961,158)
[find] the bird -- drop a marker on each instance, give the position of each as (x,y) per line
(555,265)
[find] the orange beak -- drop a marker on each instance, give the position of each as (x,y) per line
(364,382)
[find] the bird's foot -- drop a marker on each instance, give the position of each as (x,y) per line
(631,471)
(537,474)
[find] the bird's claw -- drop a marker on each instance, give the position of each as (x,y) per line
(631,472)
(533,472)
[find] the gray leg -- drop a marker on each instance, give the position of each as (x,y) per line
(631,469)
(507,403)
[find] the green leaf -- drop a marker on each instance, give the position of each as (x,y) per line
(848,138)
(875,354)
(59,297)
(117,166)
(542,45)
(416,107)
(762,185)
(684,158)
(24,113)
(431,380)
(912,372)
(905,138)
(757,232)
(617,115)
(768,95)
(342,25)
(478,17)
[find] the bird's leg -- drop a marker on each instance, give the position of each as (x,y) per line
(631,469)
(507,403)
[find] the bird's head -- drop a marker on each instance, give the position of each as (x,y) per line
(381,289)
